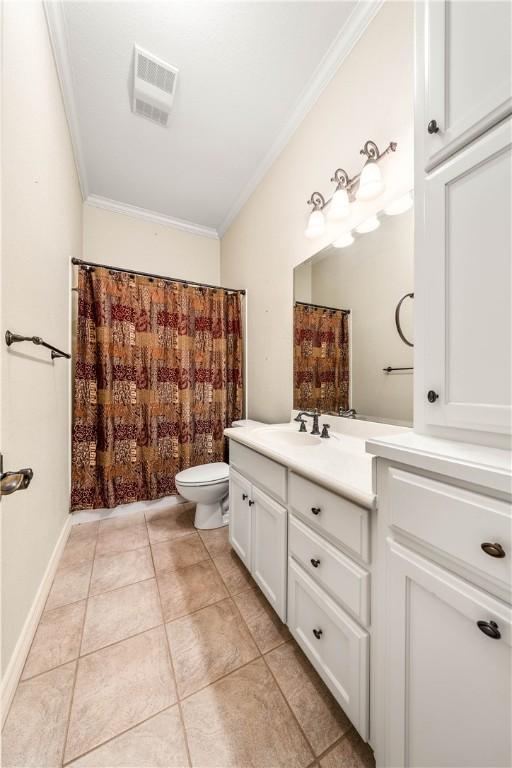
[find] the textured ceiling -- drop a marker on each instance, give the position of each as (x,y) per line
(244,67)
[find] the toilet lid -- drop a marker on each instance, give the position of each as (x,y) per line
(204,474)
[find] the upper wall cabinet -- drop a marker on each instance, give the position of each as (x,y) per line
(467,335)
(467,72)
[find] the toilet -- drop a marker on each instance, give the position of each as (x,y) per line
(208,486)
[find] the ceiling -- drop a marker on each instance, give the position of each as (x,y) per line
(248,72)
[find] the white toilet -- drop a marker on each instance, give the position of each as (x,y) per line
(208,485)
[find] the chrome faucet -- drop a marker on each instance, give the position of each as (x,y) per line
(349,413)
(315,416)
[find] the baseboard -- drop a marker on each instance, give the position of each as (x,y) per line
(22,647)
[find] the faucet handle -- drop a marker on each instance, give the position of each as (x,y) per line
(325,430)
(302,425)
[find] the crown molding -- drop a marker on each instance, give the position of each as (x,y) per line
(345,40)
(155,218)
(56,22)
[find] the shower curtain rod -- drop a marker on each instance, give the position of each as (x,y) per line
(82,263)
(321,306)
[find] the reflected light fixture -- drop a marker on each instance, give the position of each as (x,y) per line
(343,241)
(339,207)
(368,225)
(316,221)
(400,205)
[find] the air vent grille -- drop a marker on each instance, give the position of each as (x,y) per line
(155,74)
(152,113)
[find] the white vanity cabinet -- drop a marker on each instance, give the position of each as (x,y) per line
(468,71)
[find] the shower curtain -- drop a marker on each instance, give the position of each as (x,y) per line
(321,358)
(158,377)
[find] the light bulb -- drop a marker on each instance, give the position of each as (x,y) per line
(370,182)
(401,205)
(316,224)
(368,225)
(343,241)
(339,207)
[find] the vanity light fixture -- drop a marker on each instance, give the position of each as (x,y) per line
(316,221)
(364,186)
(343,241)
(401,205)
(368,225)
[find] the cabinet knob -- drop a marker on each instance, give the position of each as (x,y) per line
(315,562)
(244,496)
(433,127)
(432,396)
(489,628)
(251,502)
(317,633)
(315,510)
(494,550)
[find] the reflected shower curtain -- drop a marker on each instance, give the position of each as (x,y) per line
(321,358)
(158,377)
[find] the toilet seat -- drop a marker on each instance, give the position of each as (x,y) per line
(204,474)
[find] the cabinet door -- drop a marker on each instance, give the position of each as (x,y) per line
(467,279)
(468,71)
(447,683)
(240,516)
(269,549)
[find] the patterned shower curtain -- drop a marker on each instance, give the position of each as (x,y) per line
(321,359)
(158,377)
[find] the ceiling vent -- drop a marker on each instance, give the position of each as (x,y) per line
(154,84)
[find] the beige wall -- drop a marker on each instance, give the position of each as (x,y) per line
(125,241)
(41,220)
(370,97)
(369,278)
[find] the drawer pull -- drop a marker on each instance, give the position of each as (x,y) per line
(315,562)
(315,510)
(489,628)
(244,496)
(433,127)
(251,502)
(317,633)
(494,550)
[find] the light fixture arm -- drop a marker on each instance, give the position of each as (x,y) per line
(372,153)
(317,200)
(342,179)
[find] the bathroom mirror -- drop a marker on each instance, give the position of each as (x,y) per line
(353,325)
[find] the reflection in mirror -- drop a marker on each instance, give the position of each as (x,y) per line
(345,330)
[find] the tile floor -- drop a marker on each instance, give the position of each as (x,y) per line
(157,650)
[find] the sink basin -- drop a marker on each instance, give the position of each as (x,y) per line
(286,438)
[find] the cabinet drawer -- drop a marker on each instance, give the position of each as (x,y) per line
(346,582)
(454,521)
(266,473)
(338,518)
(336,646)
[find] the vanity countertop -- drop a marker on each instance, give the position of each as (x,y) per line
(340,463)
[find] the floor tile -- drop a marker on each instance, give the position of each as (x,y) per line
(171,523)
(216,540)
(208,645)
(78,550)
(71,583)
(243,720)
(84,531)
(35,728)
(157,743)
(264,624)
(188,589)
(319,715)
(352,752)
(113,616)
(117,688)
(57,639)
(235,575)
(178,553)
(120,534)
(120,569)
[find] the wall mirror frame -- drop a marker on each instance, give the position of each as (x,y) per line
(353,324)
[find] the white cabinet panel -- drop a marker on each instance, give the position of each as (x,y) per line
(267,474)
(336,646)
(269,532)
(468,340)
(447,683)
(240,516)
(468,71)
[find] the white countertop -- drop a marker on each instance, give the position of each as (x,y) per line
(340,464)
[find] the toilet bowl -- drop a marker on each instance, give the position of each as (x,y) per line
(208,486)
